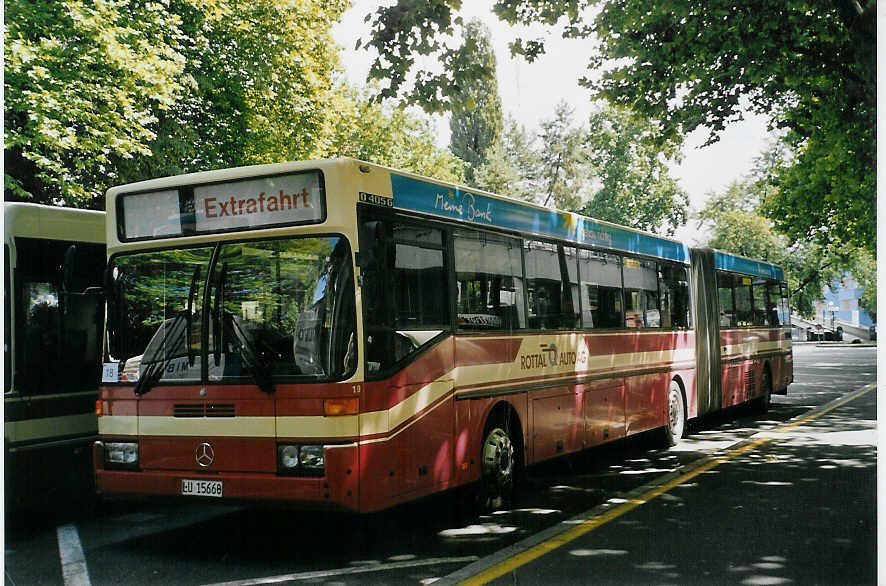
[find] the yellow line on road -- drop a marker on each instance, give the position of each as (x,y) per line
(600,519)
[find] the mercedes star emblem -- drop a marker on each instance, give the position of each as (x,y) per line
(204,454)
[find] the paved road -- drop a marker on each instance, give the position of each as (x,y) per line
(795,505)
(202,543)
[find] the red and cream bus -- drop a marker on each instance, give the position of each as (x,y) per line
(338,334)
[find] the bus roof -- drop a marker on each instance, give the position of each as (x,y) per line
(727,261)
(428,196)
(476,207)
(30,220)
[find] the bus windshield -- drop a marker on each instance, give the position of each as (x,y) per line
(261,311)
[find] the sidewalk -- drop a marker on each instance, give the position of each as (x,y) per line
(793,505)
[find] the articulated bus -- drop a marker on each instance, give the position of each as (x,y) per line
(338,334)
(52,350)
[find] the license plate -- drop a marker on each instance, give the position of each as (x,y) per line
(202,487)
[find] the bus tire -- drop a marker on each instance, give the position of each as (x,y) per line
(499,464)
(765,400)
(675,426)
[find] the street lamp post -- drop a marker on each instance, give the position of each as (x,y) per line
(833,309)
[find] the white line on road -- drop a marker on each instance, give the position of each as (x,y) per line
(70,551)
(348,571)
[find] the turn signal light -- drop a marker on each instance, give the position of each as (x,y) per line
(98,408)
(333,407)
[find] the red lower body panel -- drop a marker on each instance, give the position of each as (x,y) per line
(337,489)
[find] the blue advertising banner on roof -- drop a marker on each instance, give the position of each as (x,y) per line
(739,264)
(474,208)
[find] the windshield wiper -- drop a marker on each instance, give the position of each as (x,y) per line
(254,363)
(257,367)
(155,370)
(180,326)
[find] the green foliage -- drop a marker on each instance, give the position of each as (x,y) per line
(865,272)
(563,175)
(809,65)
(259,78)
(387,136)
(631,165)
(736,225)
(513,165)
(126,90)
(84,84)
(611,170)
(476,122)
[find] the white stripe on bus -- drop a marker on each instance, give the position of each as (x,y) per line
(373,423)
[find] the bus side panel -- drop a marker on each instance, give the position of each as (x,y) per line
(407,441)
(558,421)
(744,354)
(415,461)
(645,400)
(604,410)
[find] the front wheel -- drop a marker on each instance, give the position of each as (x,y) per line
(497,484)
(675,427)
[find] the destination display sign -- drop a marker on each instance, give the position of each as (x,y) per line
(260,202)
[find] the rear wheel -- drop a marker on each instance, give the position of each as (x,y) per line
(675,428)
(499,467)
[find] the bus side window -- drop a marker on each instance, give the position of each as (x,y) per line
(599,276)
(726,300)
(641,294)
(403,280)
(761,316)
(7,321)
(674,287)
(744,311)
(489,282)
(772,304)
(550,276)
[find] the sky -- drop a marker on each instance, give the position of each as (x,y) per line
(530,92)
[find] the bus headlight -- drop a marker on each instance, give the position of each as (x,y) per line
(300,460)
(311,458)
(287,457)
(121,454)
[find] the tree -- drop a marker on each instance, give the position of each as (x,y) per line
(122,91)
(84,84)
(513,166)
(476,121)
(260,77)
(611,170)
(548,167)
(369,131)
(631,166)
(563,176)
(497,174)
(809,65)
(736,226)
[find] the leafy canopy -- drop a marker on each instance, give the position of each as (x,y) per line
(809,65)
(609,169)
(119,91)
(84,85)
